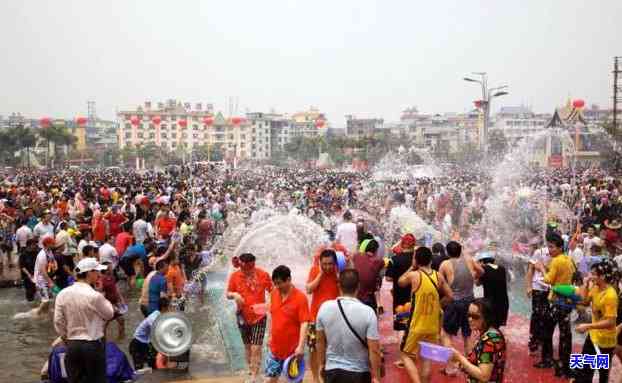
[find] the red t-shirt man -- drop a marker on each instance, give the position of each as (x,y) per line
(165,225)
(252,288)
(327,289)
(114,222)
(287,317)
(122,242)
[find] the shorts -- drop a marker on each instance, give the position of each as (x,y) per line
(311,337)
(274,366)
(343,376)
(254,334)
(410,342)
(456,316)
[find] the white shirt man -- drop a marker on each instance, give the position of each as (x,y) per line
(537,281)
(348,236)
(22,235)
(107,253)
(140,230)
(42,228)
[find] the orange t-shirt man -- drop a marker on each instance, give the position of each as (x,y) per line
(327,290)
(253,290)
(287,317)
(175,279)
(165,226)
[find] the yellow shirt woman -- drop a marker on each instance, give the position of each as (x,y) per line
(604,305)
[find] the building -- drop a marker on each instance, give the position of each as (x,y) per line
(518,122)
(103,135)
(174,126)
(363,127)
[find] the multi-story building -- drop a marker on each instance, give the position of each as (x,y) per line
(517,122)
(363,127)
(177,126)
(103,135)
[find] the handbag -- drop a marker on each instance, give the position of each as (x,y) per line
(363,342)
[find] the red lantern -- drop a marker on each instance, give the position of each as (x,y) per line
(182,123)
(156,120)
(578,104)
(81,121)
(45,122)
(208,121)
(319,124)
(478,103)
(236,120)
(135,120)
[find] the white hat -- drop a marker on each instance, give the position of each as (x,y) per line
(89,264)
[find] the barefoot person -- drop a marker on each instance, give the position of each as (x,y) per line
(248,287)
(425,319)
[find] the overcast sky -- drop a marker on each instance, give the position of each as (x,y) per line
(361,57)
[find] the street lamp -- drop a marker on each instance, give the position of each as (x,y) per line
(486,98)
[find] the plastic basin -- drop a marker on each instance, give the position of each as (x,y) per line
(341,261)
(260,309)
(435,352)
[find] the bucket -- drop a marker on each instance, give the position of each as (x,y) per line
(435,352)
(260,309)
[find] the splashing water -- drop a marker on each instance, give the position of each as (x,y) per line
(404,220)
(395,167)
(283,240)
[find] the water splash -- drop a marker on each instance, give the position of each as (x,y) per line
(395,167)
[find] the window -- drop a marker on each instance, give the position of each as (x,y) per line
(152,135)
(163,126)
(174,144)
(173,117)
(184,136)
(128,126)
(231,136)
(174,136)
(243,137)
(139,135)
(163,135)
(128,135)
(195,127)
(173,126)
(195,136)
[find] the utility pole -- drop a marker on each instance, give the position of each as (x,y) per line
(617,90)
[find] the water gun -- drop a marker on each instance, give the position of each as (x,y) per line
(566,296)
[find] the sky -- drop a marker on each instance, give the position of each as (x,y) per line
(361,57)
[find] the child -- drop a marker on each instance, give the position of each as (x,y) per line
(140,347)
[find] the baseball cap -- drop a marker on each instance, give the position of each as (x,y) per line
(89,264)
(484,255)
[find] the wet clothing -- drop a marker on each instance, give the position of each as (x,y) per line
(494,281)
(489,349)
(398,265)
(425,319)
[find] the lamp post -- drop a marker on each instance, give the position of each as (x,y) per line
(487,95)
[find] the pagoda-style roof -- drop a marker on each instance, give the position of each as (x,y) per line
(556,121)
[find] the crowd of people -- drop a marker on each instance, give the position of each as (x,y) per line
(81,239)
